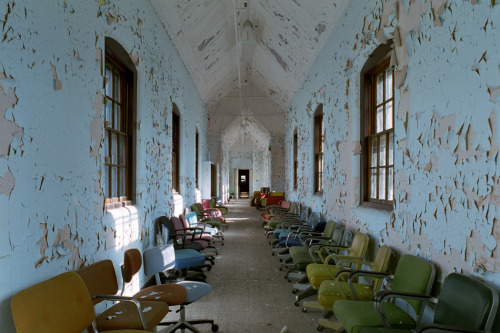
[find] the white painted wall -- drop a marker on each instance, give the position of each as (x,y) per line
(51,195)
(447,144)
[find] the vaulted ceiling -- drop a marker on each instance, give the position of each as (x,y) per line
(278,41)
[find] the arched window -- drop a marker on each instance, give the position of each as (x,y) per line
(175,147)
(318,149)
(295,160)
(197,158)
(377,124)
(119,144)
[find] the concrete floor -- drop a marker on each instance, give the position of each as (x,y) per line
(249,292)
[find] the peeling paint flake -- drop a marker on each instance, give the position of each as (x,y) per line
(57,82)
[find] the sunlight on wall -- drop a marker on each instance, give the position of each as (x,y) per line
(125,225)
(178,204)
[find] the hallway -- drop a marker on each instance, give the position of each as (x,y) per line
(249,292)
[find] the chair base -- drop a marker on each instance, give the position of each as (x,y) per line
(184,324)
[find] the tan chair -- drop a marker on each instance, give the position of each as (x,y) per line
(101,282)
(57,305)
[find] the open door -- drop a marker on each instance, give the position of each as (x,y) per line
(244,183)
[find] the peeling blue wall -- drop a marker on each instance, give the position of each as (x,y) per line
(446,184)
(53,216)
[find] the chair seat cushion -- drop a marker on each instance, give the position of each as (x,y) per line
(318,273)
(291,242)
(170,293)
(188,258)
(301,260)
(295,250)
(195,290)
(331,291)
(125,315)
(357,314)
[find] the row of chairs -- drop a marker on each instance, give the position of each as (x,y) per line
(66,302)
(348,289)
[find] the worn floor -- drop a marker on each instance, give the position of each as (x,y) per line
(249,292)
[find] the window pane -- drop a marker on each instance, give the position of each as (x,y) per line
(106,181)
(114,179)
(380,119)
(373,156)
(117,86)
(390,184)
(373,184)
(391,148)
(109,82)
(389,112)
(382,150)
(118,118)
(381,184)
(106,147)
(380,88)
(114,144)
(388,84)
(122,150)
(109,113)
(123,176)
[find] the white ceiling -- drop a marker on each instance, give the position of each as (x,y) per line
(278,42)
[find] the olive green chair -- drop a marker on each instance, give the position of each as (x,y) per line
(464,305)
(413,275)
(337,289)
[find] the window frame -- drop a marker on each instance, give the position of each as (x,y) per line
(295,160)
(379,61)
(119,60)
(197,159)
(318,150)
(176,122)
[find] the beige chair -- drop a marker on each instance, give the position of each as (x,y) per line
(61,304)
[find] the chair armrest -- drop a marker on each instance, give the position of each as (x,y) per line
(390,294)
(354,261)
(124,299)
(355,273)
(340,257)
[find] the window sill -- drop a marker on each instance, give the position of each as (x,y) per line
(378,206)
(120,204)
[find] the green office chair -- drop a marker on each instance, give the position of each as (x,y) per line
(464,305)
(413,275)
(331,291)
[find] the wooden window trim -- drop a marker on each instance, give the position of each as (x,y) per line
(197,158)
(175,149)
(318,142)
(295,160)
(378,60)
(119,60)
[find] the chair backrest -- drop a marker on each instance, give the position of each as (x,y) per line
(329,228)
(59,304)
(192,218)
(100,278)
(338,235)
(414,274)
(164,221)
(213,203)
(467,303)
(132,262)
(184,221)
(380,264)
(177,224)
(359,245)
(205,203)
(313,219)
(158,259)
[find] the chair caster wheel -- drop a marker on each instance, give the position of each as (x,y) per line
(320,328)
(294,291)
(209,268)
(281,269)
(304,310)
(297,303)
(289,280)
(215,328)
